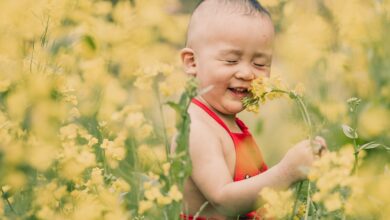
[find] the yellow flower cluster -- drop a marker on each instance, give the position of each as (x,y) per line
(266,89)
(82,85)
(76,102)
(277,204)
(132,117)
(89,200)
(330,173)
(373,121)
(153,195)
(262,89)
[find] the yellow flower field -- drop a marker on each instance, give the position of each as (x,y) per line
(92,95)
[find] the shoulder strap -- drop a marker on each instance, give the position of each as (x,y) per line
(211,113)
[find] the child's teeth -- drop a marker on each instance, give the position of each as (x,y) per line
(240,90)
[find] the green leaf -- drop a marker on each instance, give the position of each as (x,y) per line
(174,106)
(372,145)
(386,147)
(90,42)
(181,162)
(369,145)
(354,100)
(349,132)
(353,103)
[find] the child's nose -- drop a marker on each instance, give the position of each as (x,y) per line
(245,74)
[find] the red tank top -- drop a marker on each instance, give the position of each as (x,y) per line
(249,161)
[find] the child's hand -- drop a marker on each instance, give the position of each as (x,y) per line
(300,158)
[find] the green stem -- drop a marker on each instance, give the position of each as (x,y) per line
(306,118)
(298,189)
(302,108)
(7,200)
(311,134)
(356,155)
(308,200)
(161,111)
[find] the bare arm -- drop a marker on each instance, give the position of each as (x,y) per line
(211,175)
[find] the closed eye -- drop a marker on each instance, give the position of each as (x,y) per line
(231,61)
(259,65)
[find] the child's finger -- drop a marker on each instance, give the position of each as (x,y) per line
(319,146)
(322,141)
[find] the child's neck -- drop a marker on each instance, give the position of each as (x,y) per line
(229,120)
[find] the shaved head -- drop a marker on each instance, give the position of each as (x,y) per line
(229,43)
(209,10)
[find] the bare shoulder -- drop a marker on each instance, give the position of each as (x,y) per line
(204,135)
(202,132)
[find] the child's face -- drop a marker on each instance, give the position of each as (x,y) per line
(234,50)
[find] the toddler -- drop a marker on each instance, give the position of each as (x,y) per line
(229,44)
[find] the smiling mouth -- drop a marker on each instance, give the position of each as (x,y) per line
(239,92)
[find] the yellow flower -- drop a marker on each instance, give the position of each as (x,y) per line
(102,8)
(86,158)
(92,141)
(6,188)
(175,194)
(300,38)
(332,202)
(147,185)
(4,85)
(332,172)
(166,167)
(333,111)
(16,179)
(301,211)
(41,155)
(263,89)
(172,85)
(17,104)
(96,176)
(151,156)
(74,113)
(116,153)
(120,185)
(145,78)
(144,131)
(144,206)
(46,213)
(153,177)
(69,131)
(278,204)
(1,208)
(107,144)
(260,86)
(71,99)
(152,193)
(164,200)
(373,121)
(49,194)
(117,214)
(253,108)
(75,159)
(88,207)
(135,120)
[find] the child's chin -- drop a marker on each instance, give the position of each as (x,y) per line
(236,107)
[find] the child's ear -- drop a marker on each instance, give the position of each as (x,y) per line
(188,59)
